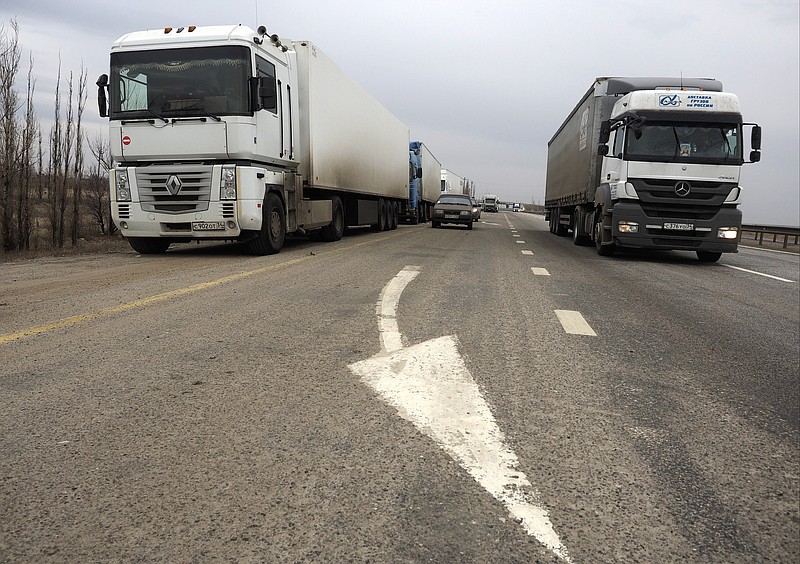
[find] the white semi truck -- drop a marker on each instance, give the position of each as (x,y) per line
(650,163)
(226,133)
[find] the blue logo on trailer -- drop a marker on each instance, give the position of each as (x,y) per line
(669,101)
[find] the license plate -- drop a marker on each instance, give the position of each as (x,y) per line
(451,216)
(679,226)
(208,226)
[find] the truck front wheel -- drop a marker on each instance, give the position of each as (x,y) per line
(272,234)
(149,245)
(602,250)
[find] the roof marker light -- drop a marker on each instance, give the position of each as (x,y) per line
(192,28)
(167,29)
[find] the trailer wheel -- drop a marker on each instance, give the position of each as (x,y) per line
(269,239)
(381,225)
(335,229)
(394,215)
(561,230)
(602,250)
(708,256)
(149,245)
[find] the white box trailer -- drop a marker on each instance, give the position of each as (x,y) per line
(451,182)
(347,140)
(226,133)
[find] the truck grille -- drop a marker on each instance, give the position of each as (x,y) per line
(659,199)
(174,189)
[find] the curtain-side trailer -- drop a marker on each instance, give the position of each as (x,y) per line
(650,163)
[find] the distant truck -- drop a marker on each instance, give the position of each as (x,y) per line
(226,133)
(491,203)
(451,182)
(424,183)
(650,163)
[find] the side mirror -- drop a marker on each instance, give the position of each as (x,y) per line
(255,94)
(755,156)
(102,100)
(605,132)
(755,138)
(602,150)
(419,172)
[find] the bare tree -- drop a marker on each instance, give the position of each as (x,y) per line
(29,132)
(54,171)
(78,167)
(9,131)
(97,194)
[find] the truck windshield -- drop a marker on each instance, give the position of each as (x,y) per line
(163,83)
(712,143)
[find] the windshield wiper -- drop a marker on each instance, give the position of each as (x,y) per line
(159,116)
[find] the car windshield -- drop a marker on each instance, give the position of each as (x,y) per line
(684,142)
(179,82)
(460,200)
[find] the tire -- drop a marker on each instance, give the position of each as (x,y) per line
(579,236)
(708,256)
(434,223)
(271,236)
(394,215)
(602,250)
(560,230)
(381,225)
(335,229)
(469,225)
(149,245)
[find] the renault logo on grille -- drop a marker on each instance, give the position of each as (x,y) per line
(683,188)
(173,184)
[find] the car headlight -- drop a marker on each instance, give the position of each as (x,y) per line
(123,185)
(466,213)
(227,183)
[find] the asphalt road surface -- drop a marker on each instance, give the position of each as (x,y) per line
(420,395)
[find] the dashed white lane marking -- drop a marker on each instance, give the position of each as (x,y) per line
(527,252)
(760,274)
(515,235)
(540,271)
(520,242)
(574,323)
(430,386)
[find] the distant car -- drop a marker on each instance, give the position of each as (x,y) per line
(476,210)
(517,208)
(453,208)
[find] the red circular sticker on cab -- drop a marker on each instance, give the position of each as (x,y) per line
(126,140)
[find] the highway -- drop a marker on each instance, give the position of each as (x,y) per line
(436,395)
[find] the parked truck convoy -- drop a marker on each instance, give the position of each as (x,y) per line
(424,183)
(225,133)
(650,163)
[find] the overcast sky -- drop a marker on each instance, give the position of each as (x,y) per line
(484,84)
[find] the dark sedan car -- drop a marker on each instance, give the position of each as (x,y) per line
(452,208)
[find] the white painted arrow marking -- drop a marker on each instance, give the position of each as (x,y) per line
(431,387)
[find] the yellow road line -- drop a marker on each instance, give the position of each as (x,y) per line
(76,319)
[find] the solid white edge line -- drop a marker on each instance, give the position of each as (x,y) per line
(760,274)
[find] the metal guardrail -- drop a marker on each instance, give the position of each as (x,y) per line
(775,230)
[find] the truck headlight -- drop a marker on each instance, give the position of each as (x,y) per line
(227,183)
(628,227)
(123,185)
(728,232)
